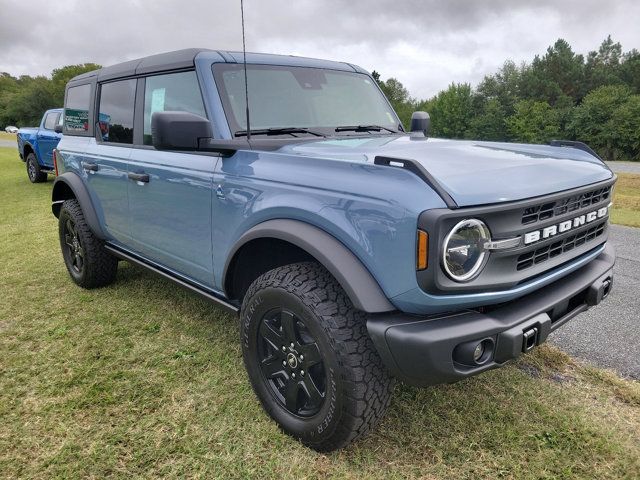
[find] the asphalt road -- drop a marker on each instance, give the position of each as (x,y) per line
(609,335)
(625,167)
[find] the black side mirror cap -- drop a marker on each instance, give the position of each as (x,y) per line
(420,123)
(57,129)
(179,130)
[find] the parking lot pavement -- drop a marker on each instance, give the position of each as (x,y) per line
(625,167)
(609,335)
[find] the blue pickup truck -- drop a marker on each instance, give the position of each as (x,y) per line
(36,145)
(353,253)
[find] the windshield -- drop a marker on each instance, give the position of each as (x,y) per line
(310,98)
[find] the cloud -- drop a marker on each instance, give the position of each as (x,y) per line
(425,44)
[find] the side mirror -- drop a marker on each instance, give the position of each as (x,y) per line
(57,129)
(420,122)
(178,130)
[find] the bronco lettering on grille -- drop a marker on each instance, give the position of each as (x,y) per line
(552,230)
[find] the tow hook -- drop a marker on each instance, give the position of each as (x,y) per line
(529,339)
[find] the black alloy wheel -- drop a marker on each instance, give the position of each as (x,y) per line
(73,243)
(291,363)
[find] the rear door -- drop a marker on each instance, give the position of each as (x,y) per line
(170,193)
(105,160)
(48,139)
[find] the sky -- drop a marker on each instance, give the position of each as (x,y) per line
(424,44)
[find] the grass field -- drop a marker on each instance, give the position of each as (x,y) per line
(626,200)
(7,136)
(142,379)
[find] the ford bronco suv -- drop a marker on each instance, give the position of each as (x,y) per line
(354,253)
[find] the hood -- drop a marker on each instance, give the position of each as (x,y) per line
(473,173)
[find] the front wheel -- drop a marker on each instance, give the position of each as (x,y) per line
(33,170)
(310,359)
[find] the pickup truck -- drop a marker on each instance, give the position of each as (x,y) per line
(36,145)
(352,252)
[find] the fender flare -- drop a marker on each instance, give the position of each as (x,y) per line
(24,147)
(71,181)
(358,283)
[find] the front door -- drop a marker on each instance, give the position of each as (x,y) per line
(170,193)
(48,139)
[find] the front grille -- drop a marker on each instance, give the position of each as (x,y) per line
(548,210)
(542,254)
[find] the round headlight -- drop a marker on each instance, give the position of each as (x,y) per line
(464,249)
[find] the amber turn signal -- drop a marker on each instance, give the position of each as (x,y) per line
(423,248)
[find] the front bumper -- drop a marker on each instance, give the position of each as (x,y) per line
(439,349)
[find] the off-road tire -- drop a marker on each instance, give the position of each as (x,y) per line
(98,268)
(358,387)
(35,174)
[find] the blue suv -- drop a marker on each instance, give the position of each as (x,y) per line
(354,253)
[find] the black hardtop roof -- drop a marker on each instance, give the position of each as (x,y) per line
(180,59)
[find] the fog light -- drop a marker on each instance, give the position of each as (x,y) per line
(478,352)
(475,352)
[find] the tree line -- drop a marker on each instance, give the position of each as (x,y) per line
(24,99)
(559,95)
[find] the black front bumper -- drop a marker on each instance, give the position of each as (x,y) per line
(432,350)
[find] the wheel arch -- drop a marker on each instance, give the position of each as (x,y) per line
(27,148)
(278,242)
(70,186)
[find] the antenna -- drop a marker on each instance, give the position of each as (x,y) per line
(246,85)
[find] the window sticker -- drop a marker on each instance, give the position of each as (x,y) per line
(157,100)
(76,120)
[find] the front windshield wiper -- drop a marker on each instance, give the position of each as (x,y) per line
(364,128)
(278,131)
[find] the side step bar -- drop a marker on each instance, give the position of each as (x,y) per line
(183,282)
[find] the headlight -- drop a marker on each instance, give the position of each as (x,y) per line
(464,249)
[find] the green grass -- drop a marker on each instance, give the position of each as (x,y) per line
(7,136)
(626,200)
(142,379)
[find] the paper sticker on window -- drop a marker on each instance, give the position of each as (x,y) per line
(76,120)
(157,100)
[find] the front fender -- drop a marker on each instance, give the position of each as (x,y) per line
(70,185)
(346,268)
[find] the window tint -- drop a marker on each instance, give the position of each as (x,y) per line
(172,92)
(116,111)
(76,112)
(50,121)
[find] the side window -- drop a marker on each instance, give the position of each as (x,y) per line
(76,109)
(50,121)
(171,92)
(116,111)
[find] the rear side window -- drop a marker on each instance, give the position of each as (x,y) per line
(171,92)
(51,120)
(76,111)
(116,111)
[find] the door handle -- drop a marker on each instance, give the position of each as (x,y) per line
(139,177)
(90,167)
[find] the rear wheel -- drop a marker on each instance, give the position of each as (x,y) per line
(33,170)
(310,359)
(88,263)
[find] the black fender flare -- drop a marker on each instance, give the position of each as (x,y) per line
(26,145)
(72,181)
(358,283)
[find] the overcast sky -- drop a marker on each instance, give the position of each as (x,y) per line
(425,44)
